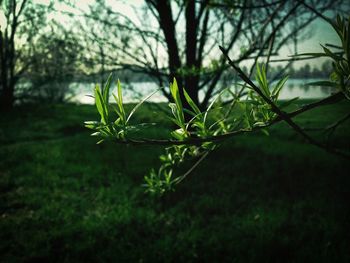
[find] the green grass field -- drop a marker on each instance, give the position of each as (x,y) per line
(257,198)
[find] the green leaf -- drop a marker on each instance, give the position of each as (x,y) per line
(191,102)
(117,121)
(212,104)
(119,100)
(100,141)
(191,112)
(174,110)
(98,100)
(179,134)
(174,121)
(120,94)
(105,91)
(176,96)
(311,55)
(91,124)
(278,87)
(196,117)
(330,53)
(262,80)
(265,131)
(175,93)
(100,104)
(139,104)
(117,110)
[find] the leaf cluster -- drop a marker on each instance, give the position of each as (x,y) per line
(258,112)
(120,127)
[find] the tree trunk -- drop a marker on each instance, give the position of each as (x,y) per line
(7,98)
(167,25)
(192,76)
(7,82)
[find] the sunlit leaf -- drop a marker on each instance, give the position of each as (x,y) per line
(176,96)
(106,88)
(100,105)
(262,80)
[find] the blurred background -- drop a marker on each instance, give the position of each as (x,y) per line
(55,51)
(256,198)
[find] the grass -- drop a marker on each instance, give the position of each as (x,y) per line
(256,199)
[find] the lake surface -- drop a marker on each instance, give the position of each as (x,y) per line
(134,92)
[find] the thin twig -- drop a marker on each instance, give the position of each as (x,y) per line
(331,127)
(315,11)
(339,122)
(182,177)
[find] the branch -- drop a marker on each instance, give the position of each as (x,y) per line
(339,122)
(233,6)
(198,141)
(315,11)
(329,100)
(284,116)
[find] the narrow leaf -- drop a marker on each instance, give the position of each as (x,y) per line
(191,102)
(106,88)
(120,95)
(100,104)
(276,91)
(119,110)
(140,103)
(176,95)
(212,104)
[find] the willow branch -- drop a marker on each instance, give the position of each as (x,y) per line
(217,138)
(283,115)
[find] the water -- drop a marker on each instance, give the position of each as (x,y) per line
(297,88)
(134,92)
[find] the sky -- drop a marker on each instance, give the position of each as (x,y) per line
(319,32)
(322,33)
